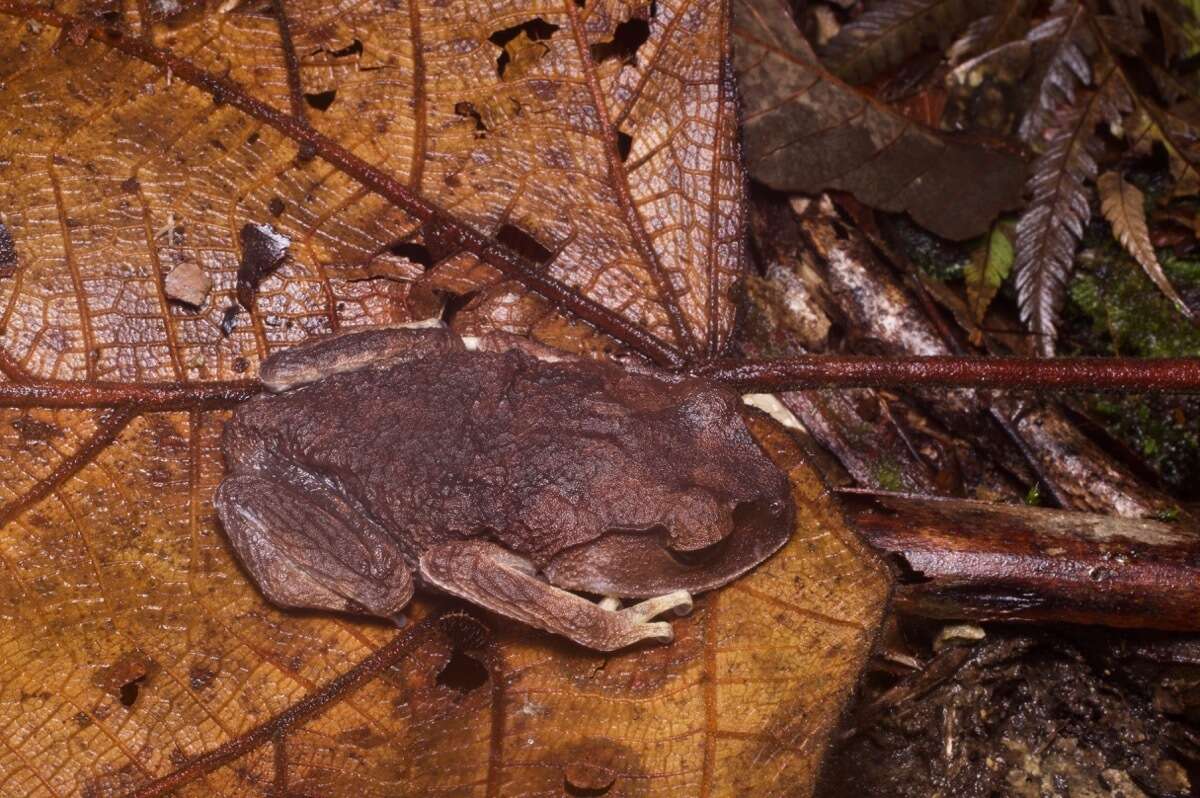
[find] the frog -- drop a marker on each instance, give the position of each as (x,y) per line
(549,488)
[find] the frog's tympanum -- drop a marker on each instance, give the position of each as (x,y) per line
(387,459)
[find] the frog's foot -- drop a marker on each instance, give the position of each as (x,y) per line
(491,577)
(308,548)
(353,350)
(680,601)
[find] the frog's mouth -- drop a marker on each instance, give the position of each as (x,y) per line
(640,563)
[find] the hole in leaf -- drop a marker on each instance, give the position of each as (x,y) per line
(627,38)
(537,29)
(229,320)
(467,109)
(8,253)
(581,791)
(523,244)
(412,251)
(353,48)
(320,100)
(130,690)
(624,144)
(463,673)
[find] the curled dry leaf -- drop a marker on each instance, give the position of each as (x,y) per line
(339,129)
(806,131)
(1124,206)
(263,250)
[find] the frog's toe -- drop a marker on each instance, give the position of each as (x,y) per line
(679,601)
(659,631)
(609,603)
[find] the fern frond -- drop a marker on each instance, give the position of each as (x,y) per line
(1049,230)
(1064,44)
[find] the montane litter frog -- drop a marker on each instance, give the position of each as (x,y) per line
(505,475)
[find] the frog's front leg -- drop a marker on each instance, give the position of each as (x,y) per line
(307,547)
(492,577)
(353,350)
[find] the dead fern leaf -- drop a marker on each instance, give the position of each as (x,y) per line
(1177,20)
(1124,206)
(1007,21)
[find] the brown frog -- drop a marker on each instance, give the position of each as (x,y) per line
(508,476)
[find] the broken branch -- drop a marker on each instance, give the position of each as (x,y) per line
(973,560)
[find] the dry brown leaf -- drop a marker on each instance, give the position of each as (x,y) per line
(1124,206)
(132,641)
(807,132)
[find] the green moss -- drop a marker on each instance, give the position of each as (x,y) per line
(1164,430)
(889,476)
(940,259)
(1114,309)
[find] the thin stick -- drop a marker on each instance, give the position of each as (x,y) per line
(1169,375)
(145,397)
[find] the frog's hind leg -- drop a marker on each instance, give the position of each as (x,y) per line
(306,547)
(491,577)
(353,350)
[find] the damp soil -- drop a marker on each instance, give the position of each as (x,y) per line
(1025,713)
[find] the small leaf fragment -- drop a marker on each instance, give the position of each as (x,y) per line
(189,284)
(1124,206)
(263,249)
(990,264)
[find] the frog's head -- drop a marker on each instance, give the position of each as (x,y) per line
(694,504)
